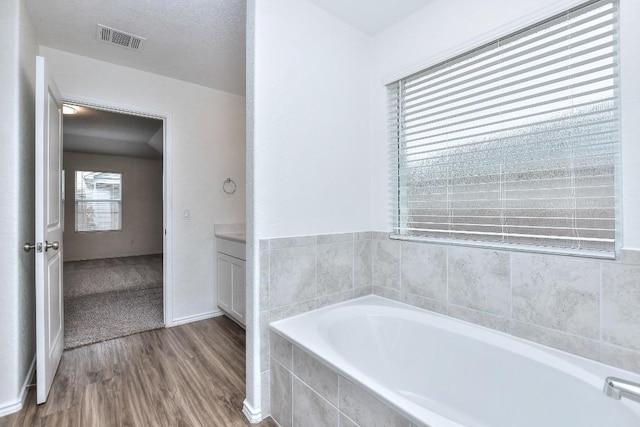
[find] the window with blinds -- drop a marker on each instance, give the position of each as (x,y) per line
(515,143)
(98,201)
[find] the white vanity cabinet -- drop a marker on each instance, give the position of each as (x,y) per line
(231,278)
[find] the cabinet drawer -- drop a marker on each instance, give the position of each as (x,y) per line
(231,248)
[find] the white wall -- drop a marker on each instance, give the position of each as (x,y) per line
(207,130)
(311,108)
(141,232)
(17,303)
(444,28)
(630,83)
(308,123)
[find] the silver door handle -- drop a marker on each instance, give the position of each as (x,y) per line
(37,246)
(54,245)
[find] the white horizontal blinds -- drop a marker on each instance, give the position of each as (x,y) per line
(98,201)
(515,142)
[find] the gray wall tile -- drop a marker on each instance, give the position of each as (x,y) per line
(362,269)
(292,309)
(424,303)
(487,320)
(557,292)
(335,267)
(380,235)
(556,339)
(365,409)
(362,291)
(281,350)
(265,387)
(292,242)
(335,298)
(363,235)
(620,357)
(386,263)
(292,275)
(281,395)
(630,256)
(387,292)
(265,334)
(621,305)
(324,239)
(424,270)
(479,279)
(316,375)
(264,280)
(310,409)
(346,421)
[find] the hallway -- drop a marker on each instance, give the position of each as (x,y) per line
(190,375)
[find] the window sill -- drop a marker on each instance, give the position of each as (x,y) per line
(508,247)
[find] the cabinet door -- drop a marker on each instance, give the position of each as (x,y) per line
(224,282)
(239,289)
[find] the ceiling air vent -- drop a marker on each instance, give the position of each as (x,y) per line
(120,38)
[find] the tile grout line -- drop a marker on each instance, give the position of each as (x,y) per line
(510,286)
(446,263)
(601,310)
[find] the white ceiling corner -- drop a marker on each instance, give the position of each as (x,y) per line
(371,16)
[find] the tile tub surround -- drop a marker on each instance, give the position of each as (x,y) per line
(584,306)
(306,392)
(299,274)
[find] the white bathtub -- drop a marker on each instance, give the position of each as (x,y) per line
(443,372)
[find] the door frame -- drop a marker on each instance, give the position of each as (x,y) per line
(167,183)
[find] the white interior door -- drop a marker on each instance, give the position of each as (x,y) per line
(49,302)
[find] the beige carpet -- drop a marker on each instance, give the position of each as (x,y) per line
(111,298)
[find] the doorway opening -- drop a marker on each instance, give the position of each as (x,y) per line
(114,224)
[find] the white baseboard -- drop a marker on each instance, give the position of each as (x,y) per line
(195,318)
(252,415)
(18,404)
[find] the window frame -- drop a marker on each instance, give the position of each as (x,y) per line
(396,169)
(118,201)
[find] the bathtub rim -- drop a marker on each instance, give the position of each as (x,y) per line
(589,371)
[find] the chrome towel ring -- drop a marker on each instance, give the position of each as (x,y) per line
(229,186)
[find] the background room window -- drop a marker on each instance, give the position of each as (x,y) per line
(514,143)
(98,201)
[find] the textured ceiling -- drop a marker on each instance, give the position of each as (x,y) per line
(103,132)
(371,16)
(199,41)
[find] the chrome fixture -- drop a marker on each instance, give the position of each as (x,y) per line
(618,388)
(55,245)
(229,186)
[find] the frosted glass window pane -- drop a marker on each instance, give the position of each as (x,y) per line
(516,142)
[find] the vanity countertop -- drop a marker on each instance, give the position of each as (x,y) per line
(234,236)
(233,232)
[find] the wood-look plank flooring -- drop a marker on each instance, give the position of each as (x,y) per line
(190,375)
